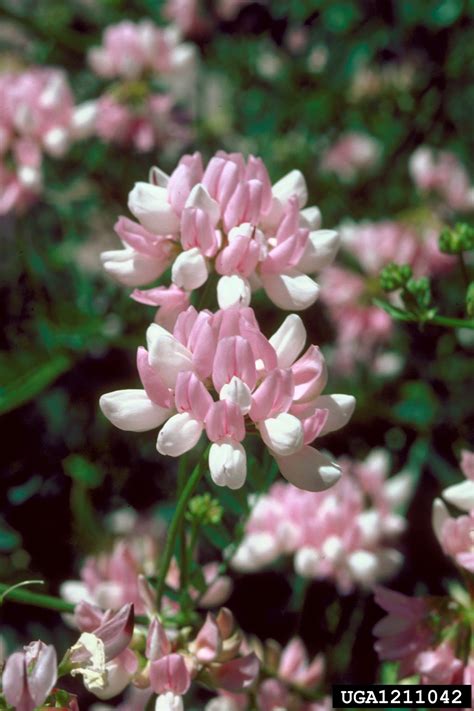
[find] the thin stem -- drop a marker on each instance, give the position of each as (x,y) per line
(26,597)
(464,270)
(185,495)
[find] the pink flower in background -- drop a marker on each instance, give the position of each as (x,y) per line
(191,16)
(341,535)
(229,218)
(290,670)
(263,385)
(442,173)
(154,71)
(439,666)
(456,534)
(37,117)
(362,328)
(352,154)
(110,580)
(404,633)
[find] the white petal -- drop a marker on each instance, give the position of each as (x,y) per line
(30,177)
(233,291)
(363,566)
(461,495)
(132,410)
(167,354)
(320,251)
(199,197)
(149,204)
(228,464)
(117,679)
(83,119)
(309,469)
(292,183)
(189,270)
(75,591)
(179,434)
(311,217)
(56,141)
(291,291)
(288,341)
(307,561)
(169,702)
(398,489)
(156,176)
(340,409)
(255,551)
(370,525)
(239,392)
(131,268)
(283,434)
(439,515)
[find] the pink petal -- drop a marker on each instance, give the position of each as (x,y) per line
(208,642)
(157,642)
(152,382)
(170,673)
(225,420)
(233,356)
(238,674)
(191,396)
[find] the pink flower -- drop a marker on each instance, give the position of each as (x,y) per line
(230,218)
(350,155)
(440,666)
(36,117)
(363,328)
(442,173)
(404,633)
(456,535)
(341,534)
(261,384)
(190,16)
(29,676)
(462,495)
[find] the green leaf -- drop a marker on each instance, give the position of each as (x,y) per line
(9,539)
(27,386)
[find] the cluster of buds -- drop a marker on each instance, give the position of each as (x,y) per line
(99,655)
(339,535)
(441,173)
(37,116)
(362,327)
(229,219)
(430,638)
(456,533)
(352,154)
(151,70)
(288,680)
(262,387)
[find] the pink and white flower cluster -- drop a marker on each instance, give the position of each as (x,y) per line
(456,533)
(228,218)
(153,69)
(293,680)
(440,172)
(113,579)
(353,153)
(166,661)
(342,534)
(424,636)
(37,117)
(361,326)
(100,656)
(218,374)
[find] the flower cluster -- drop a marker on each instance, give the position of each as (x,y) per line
(37,116)
(442,173)
(361,326)
(456,534)
(152,69)
(113,579)
(340,534)
(292,681)
(426,636)
(99,656)
(226,218)
(261,385)
(352,154)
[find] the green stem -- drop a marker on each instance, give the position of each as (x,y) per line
(185,495)
(464,270)
(26,597)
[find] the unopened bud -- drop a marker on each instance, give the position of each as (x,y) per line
(457,239)
(395,276)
